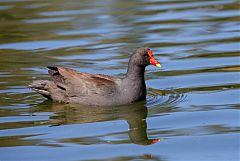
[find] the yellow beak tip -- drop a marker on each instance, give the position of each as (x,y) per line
(158,65)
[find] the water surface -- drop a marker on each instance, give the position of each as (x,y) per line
(192,108)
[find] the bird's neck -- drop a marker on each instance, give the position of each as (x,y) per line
(135,72)
(134,83)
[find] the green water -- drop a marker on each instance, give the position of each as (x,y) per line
(193,101)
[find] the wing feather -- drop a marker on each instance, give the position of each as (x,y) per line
(82,84)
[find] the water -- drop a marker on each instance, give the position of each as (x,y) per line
(192,108)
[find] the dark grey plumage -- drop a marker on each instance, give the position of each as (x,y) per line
(70,86)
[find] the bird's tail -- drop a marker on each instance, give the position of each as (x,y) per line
(41,86)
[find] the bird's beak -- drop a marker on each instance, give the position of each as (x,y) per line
(153,61)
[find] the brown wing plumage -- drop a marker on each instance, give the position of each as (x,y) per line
(82,84)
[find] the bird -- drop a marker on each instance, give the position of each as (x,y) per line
(71,86)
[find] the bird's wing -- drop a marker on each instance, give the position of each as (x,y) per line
(82,84)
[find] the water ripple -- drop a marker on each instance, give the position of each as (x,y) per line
(164,98)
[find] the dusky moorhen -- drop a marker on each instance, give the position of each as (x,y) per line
(70,86)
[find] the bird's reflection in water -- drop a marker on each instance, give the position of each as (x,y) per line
(135,115)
